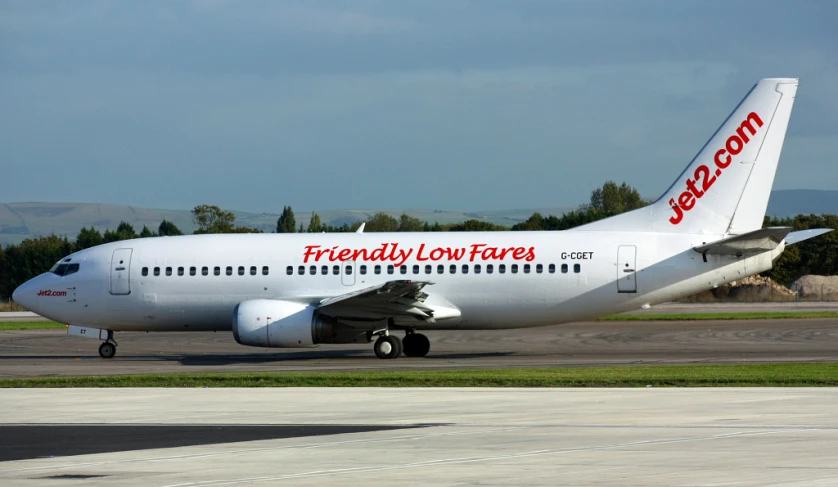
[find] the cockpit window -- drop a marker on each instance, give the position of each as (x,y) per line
(72,269)
(62,269)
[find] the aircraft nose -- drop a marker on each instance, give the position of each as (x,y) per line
(22,295)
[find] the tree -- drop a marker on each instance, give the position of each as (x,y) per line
(286,222)
(382,222)
(212,219)
(314,224)
(409,224)
(613,199)
(168,229)
(146,232)
(125,231)
(88,237)
(32,257)
(475,226)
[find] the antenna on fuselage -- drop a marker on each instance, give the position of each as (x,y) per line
(361,228)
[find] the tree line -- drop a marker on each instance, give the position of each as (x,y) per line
(21,262)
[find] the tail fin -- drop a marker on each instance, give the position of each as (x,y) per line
(725,188)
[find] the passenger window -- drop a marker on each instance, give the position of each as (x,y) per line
(502,268)
(440,269)
(363,270)
(145,271)
(552,268)
(577,268)
(513,268)
(216,271)
(390,269)
(336,270)
(477,268)
(526,268)
(241,270)
(428,269)
(489,268)
(288,270)
(312,270)
(416,269)
(168,271)
(324,270)
(253,270)
(378,269)
(539,268)
(403,269)
(564,268)
(265,270)
(229,271)
(180,271)
(156,271)
(348,270)
(193,271)
(301,270)
(465,268)
(453,269)
(204,271)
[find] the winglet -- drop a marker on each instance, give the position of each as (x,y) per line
(361,228)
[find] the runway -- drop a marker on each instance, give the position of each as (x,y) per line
(385,437)
(52,353)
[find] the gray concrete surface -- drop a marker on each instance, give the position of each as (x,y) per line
(20,317)
(52,352)
(615,437)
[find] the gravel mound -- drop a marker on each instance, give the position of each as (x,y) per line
(822,288)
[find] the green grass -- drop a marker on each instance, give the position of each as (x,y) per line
(748,375)
(30,325)
(769,315)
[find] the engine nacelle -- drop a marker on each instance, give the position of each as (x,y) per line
(285,324)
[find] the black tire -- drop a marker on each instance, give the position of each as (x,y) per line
(107,350)
(416,345)
(387,347)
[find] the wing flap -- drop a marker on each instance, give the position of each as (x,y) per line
(390,300)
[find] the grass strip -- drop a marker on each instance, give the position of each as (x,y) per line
(762,315)
(739,375)
(30,325)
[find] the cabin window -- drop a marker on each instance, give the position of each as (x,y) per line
(145,271)
(324,269)
(390,269)
(336,270)
(577,268)
(216,271)
(513,268)
(288,270)
(552,268)
(253,270)
(168,271)
(526,268)
(429,269)
(502,268)
(490,268)
(416,269)
(229,271)
(241,270)
(440,269)
(477,268)
(301,270)
(204,271)
(348,270)
(193,271)
(403,269)
(453,269)
(564,268)
(378,269)
(465,268)
(265,270)
(156,271)
(539,268)
(363,270)
(312,270)
(180,271)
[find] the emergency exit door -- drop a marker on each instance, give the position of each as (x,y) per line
(120,271)
(626,266)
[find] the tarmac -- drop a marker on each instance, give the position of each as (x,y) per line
(389,437)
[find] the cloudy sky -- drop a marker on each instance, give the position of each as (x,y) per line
(453,104)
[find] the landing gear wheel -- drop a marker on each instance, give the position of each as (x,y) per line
(416,345)
(387,347)
(107,350)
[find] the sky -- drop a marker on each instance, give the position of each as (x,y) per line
(450,104)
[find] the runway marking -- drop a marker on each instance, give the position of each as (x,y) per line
(254,450)
(455,461)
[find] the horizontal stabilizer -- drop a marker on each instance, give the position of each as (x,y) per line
(754,242)
(802,235)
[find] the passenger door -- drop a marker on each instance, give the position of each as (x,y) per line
(626,269)
(121,272)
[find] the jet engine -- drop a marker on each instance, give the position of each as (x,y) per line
(286,324)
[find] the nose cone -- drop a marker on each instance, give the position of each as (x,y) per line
(19,295)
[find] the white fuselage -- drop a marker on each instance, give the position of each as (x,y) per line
(606,272)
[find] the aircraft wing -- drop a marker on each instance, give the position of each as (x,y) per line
(388,300)
(748,243)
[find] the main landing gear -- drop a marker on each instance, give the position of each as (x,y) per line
(108,348)
(390,346)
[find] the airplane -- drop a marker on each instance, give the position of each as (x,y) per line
(302,290)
